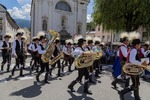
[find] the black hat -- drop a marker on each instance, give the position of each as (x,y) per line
(57,41)
(123,39)
(19,33)
(136,41)
(81,41)
(97,42)
(90,41)
(7,36)
(42,37)
(69,43)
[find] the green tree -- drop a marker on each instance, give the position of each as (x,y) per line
(90,26)
(122,15)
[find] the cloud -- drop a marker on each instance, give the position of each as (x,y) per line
(20,13)
(89,18)
(23,2)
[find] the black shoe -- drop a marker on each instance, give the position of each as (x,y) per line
(92,82)
(59,75)
(114,84)
(46,82)
(21,75)
(88,92)
(71,88)
(37,79)
(121,95)
(97,76)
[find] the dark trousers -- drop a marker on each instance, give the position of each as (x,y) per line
(19,60)
(44,66)
(134,87)
(6,58)
(70,60)
(82,72)
(58,65)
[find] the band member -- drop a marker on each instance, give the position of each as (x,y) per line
(24,39)
(67,49)
(89,48)
(30,51)
(43,65)
(17,51)
(81,71)
(56,53)
(134,58)
(96,63)
(6,52)
(35,54)
(121,59)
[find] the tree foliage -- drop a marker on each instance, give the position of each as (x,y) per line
(122,15)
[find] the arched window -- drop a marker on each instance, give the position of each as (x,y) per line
(44,25)
(79,29)
(61,5)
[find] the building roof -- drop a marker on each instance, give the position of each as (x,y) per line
(10,19)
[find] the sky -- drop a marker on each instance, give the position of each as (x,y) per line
(20,9)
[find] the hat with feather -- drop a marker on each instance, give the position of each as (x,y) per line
(124,36)
(89,39)
(134,38)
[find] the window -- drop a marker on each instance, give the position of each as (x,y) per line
(61,5)
(1,24)
(44,25)
(99,28)
(103,37)
(63,22)
(79,29)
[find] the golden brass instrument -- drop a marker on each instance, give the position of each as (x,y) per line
(98,55)
(54,60)
(84,60)
(50,46)
(133,69)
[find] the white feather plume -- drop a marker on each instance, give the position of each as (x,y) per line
(25,37)
(147,42)
(77,38)
(87,38)
(134,35)
(69,40)
(124,34)
(21,31)
(96,39)
(41,33)
(10,34)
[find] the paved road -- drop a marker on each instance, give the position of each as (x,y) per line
(27,88)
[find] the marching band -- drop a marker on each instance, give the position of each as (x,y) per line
(71,51)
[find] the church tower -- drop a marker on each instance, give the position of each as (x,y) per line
(68,17)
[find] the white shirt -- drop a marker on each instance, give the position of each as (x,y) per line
(30,46)
(86,49)
(65,50)
(77,52)
(40,51)
(2,45)
(96,49)
(14,47)
(132,57)
(33,47)
(124,51)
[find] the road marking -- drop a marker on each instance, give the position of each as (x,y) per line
(26,78)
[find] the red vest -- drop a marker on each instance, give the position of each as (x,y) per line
(121,54)
(141,54)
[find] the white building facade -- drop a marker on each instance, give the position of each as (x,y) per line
(7,24)
(68,17)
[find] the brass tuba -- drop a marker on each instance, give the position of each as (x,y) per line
(133,69)
(98,55)
(84,60)
(55,59)
(50,46)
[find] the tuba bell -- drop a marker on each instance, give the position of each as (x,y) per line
(133,69)
(84,60)
(50,47)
